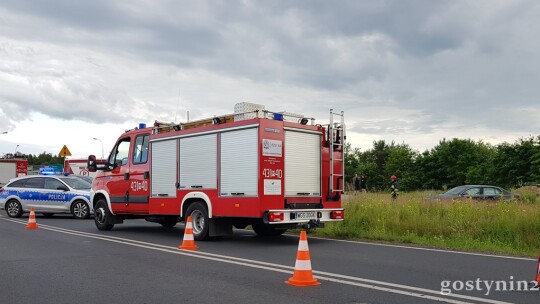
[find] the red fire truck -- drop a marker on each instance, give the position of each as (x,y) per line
(11,168)
(273,171)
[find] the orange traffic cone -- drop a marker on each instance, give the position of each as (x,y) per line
(303,275)
(189,241)
(32,220)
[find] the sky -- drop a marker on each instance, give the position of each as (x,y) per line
(410,72)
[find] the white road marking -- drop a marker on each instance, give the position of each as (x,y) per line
(326,276)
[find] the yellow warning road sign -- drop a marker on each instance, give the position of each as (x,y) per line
(64,151)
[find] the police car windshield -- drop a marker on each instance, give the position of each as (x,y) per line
(76,183)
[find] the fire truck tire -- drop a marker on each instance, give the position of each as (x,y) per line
(102,215)
(263,229)
(200,220)
(80,210)
(14,208)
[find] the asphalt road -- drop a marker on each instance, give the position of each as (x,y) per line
(68,260)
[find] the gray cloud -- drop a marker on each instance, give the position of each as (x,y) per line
(412,67)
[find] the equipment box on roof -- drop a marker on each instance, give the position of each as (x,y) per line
(246,110)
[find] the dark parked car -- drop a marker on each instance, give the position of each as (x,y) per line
(477,192)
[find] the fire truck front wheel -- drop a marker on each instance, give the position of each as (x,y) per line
(200,220)
(102,215)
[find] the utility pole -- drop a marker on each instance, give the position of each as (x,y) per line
(102,154)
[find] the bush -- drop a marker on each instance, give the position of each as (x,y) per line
(529,194)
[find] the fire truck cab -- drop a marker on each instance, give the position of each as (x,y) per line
(273,171)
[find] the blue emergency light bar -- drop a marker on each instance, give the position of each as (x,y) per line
(47,171)
(278,116)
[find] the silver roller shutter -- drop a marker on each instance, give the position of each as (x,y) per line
(7,172)
(239,163)
(302,164)
(164,168)
(198,162)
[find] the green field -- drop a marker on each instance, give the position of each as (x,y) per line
(507,227)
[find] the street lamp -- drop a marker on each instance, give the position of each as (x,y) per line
(15,150)
(5,132)
(102,154)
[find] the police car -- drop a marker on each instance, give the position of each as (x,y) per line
(47,194)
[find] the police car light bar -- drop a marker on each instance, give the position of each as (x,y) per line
(47,171)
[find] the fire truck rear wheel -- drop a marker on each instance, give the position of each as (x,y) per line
(263,229)
(102,215)
(199,218)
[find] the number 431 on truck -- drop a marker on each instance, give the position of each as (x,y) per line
(273,171)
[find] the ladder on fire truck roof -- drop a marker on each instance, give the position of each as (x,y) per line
(336,138)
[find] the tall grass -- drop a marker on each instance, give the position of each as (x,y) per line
(509,227)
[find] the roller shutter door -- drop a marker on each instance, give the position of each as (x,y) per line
(198,162)
(239,163)
(7,172)
(302,164)
(164,168)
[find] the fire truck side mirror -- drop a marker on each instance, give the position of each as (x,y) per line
(91,164)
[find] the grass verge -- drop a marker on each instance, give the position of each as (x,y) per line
(506,227)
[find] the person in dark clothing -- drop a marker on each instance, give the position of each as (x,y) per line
(363,184)
(394,187)
(356,183)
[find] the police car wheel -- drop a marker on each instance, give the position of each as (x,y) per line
(13,208)
(80,210)
(101,216)
(200,221)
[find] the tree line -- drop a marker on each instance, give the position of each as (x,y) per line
(43,159)
(451,163)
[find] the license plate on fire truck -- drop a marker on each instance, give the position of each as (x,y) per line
(306,215)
